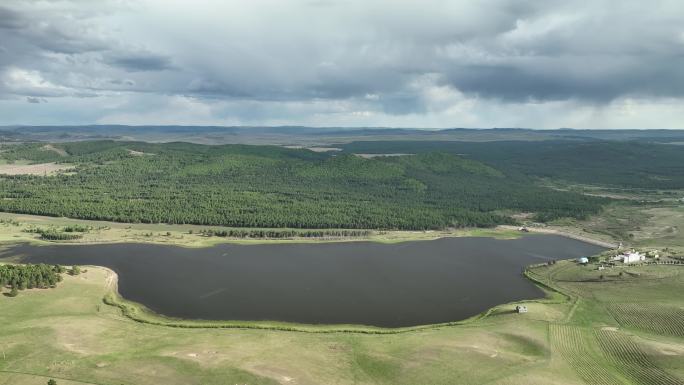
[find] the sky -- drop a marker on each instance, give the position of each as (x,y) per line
(358,63)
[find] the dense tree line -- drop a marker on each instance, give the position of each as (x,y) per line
(52,234)
(20,277)
(275,187)
(257,233)
(76,228)
(632,164)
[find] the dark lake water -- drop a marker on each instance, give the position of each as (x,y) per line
(388,285)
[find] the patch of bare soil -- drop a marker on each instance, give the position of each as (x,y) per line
(33,169)
(49,147)
(370,156)
(316,149)
(138,153)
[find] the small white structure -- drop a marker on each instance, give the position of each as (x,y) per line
(633,257)
(630,257)
(583,260)
(521,309)
(601,268)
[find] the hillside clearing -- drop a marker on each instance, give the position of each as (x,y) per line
(34,169)
(58,151)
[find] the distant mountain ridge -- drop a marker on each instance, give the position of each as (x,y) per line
(309,136)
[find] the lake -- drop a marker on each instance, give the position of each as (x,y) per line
(389,285)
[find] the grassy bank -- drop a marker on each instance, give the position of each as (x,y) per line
(14,229)
(140,313)
(69,333)
(619,329)
(647,225)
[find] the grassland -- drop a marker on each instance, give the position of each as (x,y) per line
(619,329)
(13,229)
(40,169)
(645,225)
(70,334)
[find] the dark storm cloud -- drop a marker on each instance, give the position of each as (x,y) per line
(122,82)
(593,53)
(385,57)
(33,100)
(28,32)
(217,89)
(570,80)
(10,19)
(582,78)
(140,62)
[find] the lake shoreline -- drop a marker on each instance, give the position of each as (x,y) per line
(138,312)
(344,283)
(564,233)
(180,236)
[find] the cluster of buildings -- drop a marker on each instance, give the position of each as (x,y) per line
(634,256)
(629,256)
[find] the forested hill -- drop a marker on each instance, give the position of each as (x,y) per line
(633,164)
(267,186)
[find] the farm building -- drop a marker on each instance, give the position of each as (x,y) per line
(630,257)
(583,260)
(633,257)
(521,309)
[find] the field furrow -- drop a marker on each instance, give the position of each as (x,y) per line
(576,347)
(631,361)
(654,318)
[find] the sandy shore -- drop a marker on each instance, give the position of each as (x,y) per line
(567,234)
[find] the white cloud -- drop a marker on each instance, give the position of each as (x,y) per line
(25,82)
(430,63)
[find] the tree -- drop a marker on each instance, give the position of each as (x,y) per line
(29,276)
(14,292)
(271,187)
(52,382)
(75,270)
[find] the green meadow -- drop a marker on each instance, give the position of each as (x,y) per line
(621,325)
(622,329)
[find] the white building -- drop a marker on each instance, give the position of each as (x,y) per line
(630,257)
(583,260)
(633,257)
